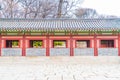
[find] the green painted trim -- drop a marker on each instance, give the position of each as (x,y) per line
(74,32)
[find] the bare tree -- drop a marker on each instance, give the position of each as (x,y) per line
(10,8)
(44,9)
(66,7)
(27,5)
(38,8)
(86,13)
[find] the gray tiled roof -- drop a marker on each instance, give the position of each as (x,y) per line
(60,24)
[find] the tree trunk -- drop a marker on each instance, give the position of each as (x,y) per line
(60,9)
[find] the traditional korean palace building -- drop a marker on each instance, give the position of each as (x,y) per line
(60,37)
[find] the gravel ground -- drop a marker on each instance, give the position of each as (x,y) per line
(59,68)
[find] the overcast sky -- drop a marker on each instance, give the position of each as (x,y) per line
(107,7)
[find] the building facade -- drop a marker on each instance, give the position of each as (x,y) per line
(60,37)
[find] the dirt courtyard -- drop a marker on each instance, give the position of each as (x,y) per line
(60,68)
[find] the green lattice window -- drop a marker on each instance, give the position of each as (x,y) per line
(36,43)
(59,44)
(12,44)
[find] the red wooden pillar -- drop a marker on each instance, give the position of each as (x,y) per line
(47,46)
(115,43)
(23,46)
(95,45)
(0,44)
(71,46)
(118,44)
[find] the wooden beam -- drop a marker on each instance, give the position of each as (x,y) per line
(47,45)
(23,46)
(0,44)
(119,44)
(71,45)
(95,45)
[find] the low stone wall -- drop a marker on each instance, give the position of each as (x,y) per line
(59,52)
(83,51)
(37,60)
(107,51)
(11,52)
(35,52)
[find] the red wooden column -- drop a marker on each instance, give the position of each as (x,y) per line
(95,45)
(47,46)
(118,44)
(71,46)
(23,46)
(0,44)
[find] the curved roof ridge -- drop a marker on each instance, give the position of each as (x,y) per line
(60,19)
(61,24)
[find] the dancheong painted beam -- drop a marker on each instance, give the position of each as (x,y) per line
(60,37)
